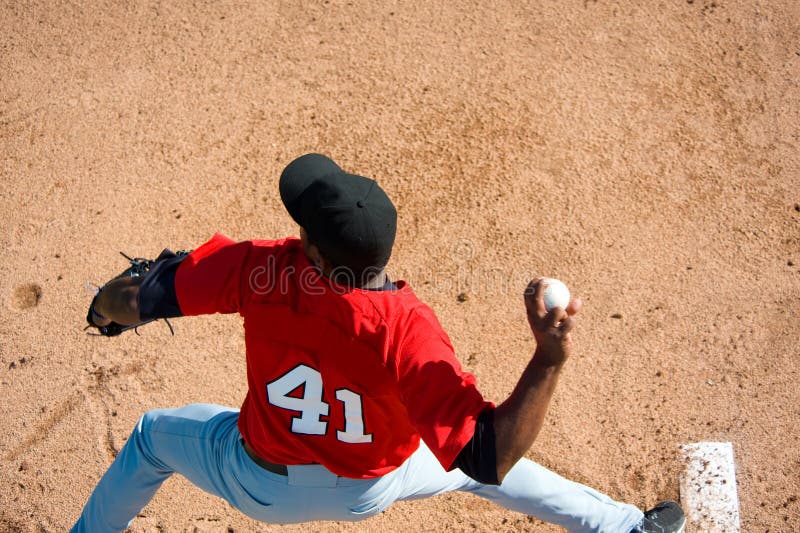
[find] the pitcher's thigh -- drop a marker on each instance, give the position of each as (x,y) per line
(192,441)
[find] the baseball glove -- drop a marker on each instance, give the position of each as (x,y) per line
(139,267)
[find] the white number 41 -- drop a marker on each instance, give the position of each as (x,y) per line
(311,407)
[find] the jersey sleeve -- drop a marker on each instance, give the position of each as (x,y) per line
(442,400)
(212,279)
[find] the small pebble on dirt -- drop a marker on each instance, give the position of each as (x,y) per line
(462,297)
(616,315)
(790,263)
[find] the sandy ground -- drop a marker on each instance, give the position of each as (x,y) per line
(644,152)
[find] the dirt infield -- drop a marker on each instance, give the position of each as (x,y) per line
(644,152)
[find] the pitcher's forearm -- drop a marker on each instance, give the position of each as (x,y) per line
(118,301)
(518,420)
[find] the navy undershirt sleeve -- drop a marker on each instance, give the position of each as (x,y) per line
(157,298)
(478,459)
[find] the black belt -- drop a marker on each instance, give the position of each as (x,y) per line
(281,470)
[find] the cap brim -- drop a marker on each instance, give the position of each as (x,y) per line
(299,175)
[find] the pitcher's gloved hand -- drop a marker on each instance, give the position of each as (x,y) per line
(139,267)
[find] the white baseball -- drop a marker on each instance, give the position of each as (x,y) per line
(556,294)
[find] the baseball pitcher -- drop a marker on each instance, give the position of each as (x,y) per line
(355,398)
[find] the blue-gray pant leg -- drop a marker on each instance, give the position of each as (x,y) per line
(528,488)
(188,440)
(202,443)
(536,491)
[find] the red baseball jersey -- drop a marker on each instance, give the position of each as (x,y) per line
(347,378)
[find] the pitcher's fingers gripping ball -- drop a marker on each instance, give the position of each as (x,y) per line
(556,294)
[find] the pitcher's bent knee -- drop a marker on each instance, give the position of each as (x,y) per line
(141,436)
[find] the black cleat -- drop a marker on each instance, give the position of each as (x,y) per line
(665,517)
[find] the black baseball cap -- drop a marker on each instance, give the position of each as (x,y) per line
(350,218)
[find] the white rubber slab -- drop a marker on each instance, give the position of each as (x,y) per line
(708,487)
